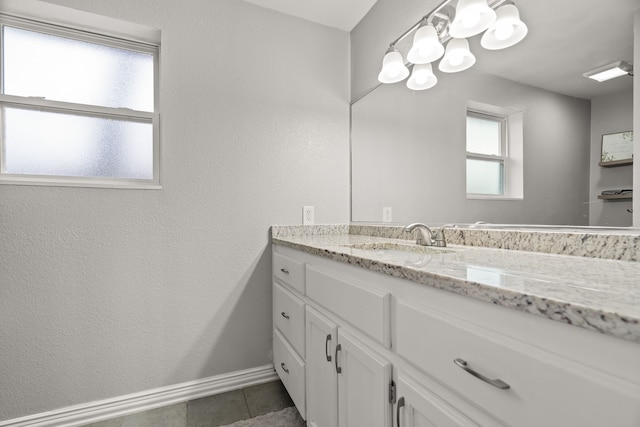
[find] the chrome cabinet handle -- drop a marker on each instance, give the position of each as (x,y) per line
(326,348)
(284,270)
(496,383)
(338,368)
(284,367)
(285,315)
(400,405)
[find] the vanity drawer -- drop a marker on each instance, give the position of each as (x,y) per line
(365,308)
(544,389)
(290,369)
(289,272)
(288,317)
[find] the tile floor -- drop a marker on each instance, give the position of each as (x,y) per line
(212,411)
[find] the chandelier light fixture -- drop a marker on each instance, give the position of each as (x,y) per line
(443,33)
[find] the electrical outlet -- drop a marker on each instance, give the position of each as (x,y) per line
(307,215)
(386,214)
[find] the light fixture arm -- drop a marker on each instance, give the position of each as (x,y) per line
(429,17)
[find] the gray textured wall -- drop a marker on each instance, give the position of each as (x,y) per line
(610,114)
(408,152)
(108,292)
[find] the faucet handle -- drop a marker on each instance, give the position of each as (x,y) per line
(439,239)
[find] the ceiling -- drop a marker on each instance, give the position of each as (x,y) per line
(340,14)
(566,38)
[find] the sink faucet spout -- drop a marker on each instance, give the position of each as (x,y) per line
(425,236)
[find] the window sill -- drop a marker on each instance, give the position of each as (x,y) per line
(46,182)
(491,197)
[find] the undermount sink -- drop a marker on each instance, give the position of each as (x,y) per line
(398,251)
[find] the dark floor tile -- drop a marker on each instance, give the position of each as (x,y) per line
(166,416)
(268,397)
(218,410)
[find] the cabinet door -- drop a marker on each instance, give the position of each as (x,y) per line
(322,381)
(418,407)
(363,385)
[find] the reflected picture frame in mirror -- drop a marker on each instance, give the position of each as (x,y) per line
(617,149)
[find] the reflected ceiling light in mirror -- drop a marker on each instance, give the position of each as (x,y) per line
(393,68)
(426,46)
(506,31)
(610,71)
(457,57)
(422,77)
(472,17)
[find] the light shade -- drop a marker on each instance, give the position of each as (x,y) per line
(472,17)
(422,77)
(393,68)
(426,46)
(609,71)
(457,57)
(506,31)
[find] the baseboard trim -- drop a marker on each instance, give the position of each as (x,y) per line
(101,410)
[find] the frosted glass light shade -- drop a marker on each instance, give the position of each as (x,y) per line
(506,31)
(472,17)
(393,68)
(422,77)
(426,46)
(457,57)
(64,69)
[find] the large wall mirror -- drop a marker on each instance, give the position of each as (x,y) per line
(409,147)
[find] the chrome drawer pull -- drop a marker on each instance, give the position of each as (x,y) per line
(285,315)
(400,405)
(284,270)
(326,348)
(284,367)
(496,383)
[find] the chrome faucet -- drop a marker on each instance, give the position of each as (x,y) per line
(426,237)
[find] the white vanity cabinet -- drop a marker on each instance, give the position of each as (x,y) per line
(418,406)
(381,350)
(289,327)
(347,381)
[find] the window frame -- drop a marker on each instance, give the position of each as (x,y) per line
(502,158)
(63,107)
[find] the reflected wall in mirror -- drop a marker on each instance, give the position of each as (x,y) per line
(409,147)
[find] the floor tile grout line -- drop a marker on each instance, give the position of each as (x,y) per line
(246,402)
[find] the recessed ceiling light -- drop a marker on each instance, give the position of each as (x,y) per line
(610,71)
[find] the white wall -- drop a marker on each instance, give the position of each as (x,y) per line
(636,117)
(610,114)
(109,292)
(408,153)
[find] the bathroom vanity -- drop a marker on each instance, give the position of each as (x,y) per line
(372,330)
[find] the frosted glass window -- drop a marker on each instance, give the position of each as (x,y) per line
(64,69)
(484,136)
(77,107)
(63,144)
(485,176)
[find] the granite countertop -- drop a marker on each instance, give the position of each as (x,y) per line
(602,295)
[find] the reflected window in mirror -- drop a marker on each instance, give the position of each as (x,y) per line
(486,153)
(493,154)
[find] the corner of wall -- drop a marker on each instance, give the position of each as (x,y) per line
(636,116)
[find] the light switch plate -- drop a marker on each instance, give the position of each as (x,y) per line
(386,214)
